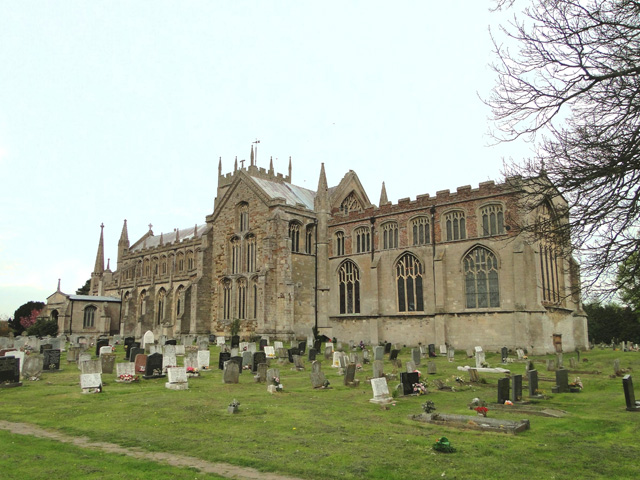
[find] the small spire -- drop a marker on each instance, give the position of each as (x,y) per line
(252,155)
(177,235)
(271,166)
(108,264)
(99,266)
(150,227)
(383,195)
(321,203)
(289,168)
(161,238)
(195,230)
(235,165)
(58,285)
(322,181)
(124,236)
(220,167)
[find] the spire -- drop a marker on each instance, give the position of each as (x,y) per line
(99,267)
(252,161)
(289,168)
(177,235)
(58,285)
(322,195)
(108,264)
(220,167)
(383,196)
(124,236)
(235,165)
(161,238)
(271,166)
(195,230)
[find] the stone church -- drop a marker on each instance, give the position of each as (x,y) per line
(286,261)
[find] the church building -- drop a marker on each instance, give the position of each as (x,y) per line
(285,261)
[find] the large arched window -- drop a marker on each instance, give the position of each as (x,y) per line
(420,231)
(226,299)
(389,235)
(235,255)
(481,279)
(363,239)
(89,317)
(455,224)
(160,311)
(350,204)
(550,257)
(339,243)
(409,282)
(294,235)
(349,282)
(492,220)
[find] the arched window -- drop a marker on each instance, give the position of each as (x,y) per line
(339,243)
(155,265)
(160,311)
(309,239)
(389,235)
(250,243)
(235,255)
(409,282)
(226,299)
(255,299)
(420,229)
(349,281)
(164,265)
(89,316)
(242,299)
(294,235)
(455,225)
(350,204)
(550,258)
(243,217)
(125,301)
(190,263)
(363,239)
(143,302)
(481,279)
(147,267)
(179,301)
(492,220)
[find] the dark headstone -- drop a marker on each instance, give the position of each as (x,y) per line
(237,360)
(100,344)
(128,341)
(387,348)
(629,394)
(432,350)
(562,380)
(504,353)
(394,354)
(312,354)
(173,341)
(9,371)
(258,358)
(516,388)
(235,342)
(317,345)
(46,346)
(263,343)
(224,356)
(153,367)
(291,352)
(212,338)
(408,379)
(51,360)
(302,348)
(350,374)
(135,350)
(130,348)
(533,382)
(503,390)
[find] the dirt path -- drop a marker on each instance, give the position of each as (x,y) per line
(176,460)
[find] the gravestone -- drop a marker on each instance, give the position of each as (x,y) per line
(46,346)
(387,348)
(328,352)
(378,353)
(148,339)
(516,388)
(533,383)
(191,359)
(432,350)
(480,357)
(258,358)
(302,348)
(177,379)
(415,355)
(235,341)
(408,379)
(473,375)
(298,363)
(238,361)
(83,357)
(231,372)
(551,365)
(269,351)
(125,368)
(629,395)
(336,359)
(90,382)
(9,372)
(261,373)
(212,338)
(91,366)
(154,367)
(180,349)
(411,367)
(451,354)
(350,376)
(394,354)
(470,353)
(72,354)
(562,381)
(616,366)
(203,345)
(282,353)
(105,350)
(271,374)
(247,359)
(503,390)
(572,363)
(520,353)
(108,360)
(559,360)
(204,359)
(431,367)
(51,360)
(263,343)
(220,341)
(504,353)
(318,379)
(278,344)
(530,365)
(100,344)
(19,355)
(378,369)
(32,368)
(380,391)
(291,352)
(317,344)
(134,350)
(169,358)
(313,353)
(443,349)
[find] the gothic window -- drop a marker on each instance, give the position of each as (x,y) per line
(363,239)
(349,280)
(409,283)
(481,279)
(420,229)
(190,263)
(250,243)
(242,298)
(143,302)
(164,265)
(339,243)
(350,204)
(236,258)
(155,266)
(255,299)
(147,267)
(89,316)
(160,312)
(226,299)
(243,217)
(309,240)
(492,220)
(550,258)
(179,301)
(294,235)
(389,235)
(127,297)
(180,262)
(455,225)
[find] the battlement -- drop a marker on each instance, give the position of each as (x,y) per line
(254,171)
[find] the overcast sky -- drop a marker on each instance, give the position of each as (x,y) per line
(114,110)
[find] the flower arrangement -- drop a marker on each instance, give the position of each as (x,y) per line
(128,378)
(235,403)
(482,411)
(443,445)
(420,388)
(278,385)
(508,402)
(576,385)
(428,406)
(193,372)
(418,372)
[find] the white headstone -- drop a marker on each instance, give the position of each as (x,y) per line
(177,375)
(106,349)
(220,340)
(443,349)
(125,368)
(90,380)
(277,345)
(179,349)
(147,339)
(204,359)
(380,391)
(19,355)
(336,359)
(269,351)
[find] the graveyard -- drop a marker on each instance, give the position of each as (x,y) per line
(348,414)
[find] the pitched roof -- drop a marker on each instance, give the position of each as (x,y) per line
(170,237)
(292,194)
(93,298)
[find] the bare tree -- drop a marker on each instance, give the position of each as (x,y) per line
(573,87)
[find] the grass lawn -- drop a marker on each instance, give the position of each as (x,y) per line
(326,434)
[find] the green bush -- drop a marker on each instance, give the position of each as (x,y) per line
(43,327)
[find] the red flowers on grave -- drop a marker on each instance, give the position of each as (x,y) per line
(482,411)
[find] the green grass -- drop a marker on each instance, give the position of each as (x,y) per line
(335,433)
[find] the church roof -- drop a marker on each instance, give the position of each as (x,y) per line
(292,194)
(170,237)
(92,298)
